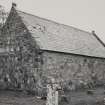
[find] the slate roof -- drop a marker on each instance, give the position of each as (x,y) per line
(54,36)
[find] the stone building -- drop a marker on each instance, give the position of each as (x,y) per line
(34,47)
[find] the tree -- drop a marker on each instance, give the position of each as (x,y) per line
(3,15)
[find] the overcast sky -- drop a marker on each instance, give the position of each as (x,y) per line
(87,15)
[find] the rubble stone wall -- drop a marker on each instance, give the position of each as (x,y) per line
(23,64)
(71,67)
(20,65)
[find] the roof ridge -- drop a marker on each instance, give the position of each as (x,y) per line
(55,22)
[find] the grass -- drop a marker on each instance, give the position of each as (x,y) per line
(73,98)
(82,98)
(18,98)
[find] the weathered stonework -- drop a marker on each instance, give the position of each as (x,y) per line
(71,67)
(20,65)
(26,65)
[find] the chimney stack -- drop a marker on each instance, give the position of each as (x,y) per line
(93,32)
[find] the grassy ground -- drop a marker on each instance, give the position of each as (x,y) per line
(18,98)
(82,98)
(74,98)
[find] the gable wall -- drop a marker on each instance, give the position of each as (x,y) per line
(22,59)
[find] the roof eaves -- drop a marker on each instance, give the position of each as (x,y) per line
(72,54)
